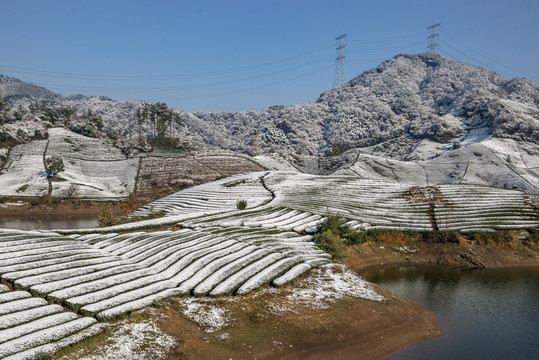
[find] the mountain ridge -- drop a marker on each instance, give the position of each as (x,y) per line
(423,96)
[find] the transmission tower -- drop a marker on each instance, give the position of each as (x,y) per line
(433,45)
(339,79)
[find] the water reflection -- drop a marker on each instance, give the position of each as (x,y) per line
(484,314)
(47,222)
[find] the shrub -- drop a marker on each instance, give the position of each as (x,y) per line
(330,242)
(54,165)
(442,236)
(499,238)
(534,235)
(334,236)
(108,218)
(241,204)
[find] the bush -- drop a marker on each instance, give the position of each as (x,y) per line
(108,218)
(330,242)
(241,204)
(334,236)
(442,236)
(54,165)
(534,235)
(499,238)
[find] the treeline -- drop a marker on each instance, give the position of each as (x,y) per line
(88,123)
(153,122)
(160,118)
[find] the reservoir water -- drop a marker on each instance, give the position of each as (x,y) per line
(483,313)
(48,222)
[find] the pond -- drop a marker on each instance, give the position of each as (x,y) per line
(48,222)
(483,313)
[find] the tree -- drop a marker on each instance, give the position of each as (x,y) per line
(54,165)
(140,116)
(4,109)
(66,112)
(163,117)
(94,119)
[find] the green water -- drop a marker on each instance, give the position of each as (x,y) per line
(483,313)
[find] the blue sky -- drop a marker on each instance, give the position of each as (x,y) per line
(239,55)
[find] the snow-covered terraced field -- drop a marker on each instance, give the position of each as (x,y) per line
(371,202)
(110,274)
(266,217)
(472,207)
(101,276)
(218,196)
(68,144)
(31,327)
(294,201)
(93,167)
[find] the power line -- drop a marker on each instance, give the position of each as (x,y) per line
(486,57)
(24,70)
(384,48)
(468,56)
(255,87)
(384,38)
(187,86)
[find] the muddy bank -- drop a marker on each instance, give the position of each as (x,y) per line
(465,253)
(349,329)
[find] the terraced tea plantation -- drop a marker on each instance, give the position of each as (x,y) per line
(61,288)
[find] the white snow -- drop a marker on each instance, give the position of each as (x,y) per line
(476,135)
(206,314)
(141,340)
(324,286)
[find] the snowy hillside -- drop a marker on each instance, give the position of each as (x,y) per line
(418,96)
(434,113)
(95,169)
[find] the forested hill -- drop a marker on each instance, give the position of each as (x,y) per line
(421,96)
(414,97)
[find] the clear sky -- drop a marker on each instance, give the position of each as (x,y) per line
(238,55)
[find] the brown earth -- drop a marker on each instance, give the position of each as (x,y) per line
(398,248)
(351,328)
(163,175)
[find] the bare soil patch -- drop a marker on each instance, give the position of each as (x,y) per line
(350,328)
(396,248)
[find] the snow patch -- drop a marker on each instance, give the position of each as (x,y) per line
(324,286)
(476,135)
(206,314)
(134,341)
